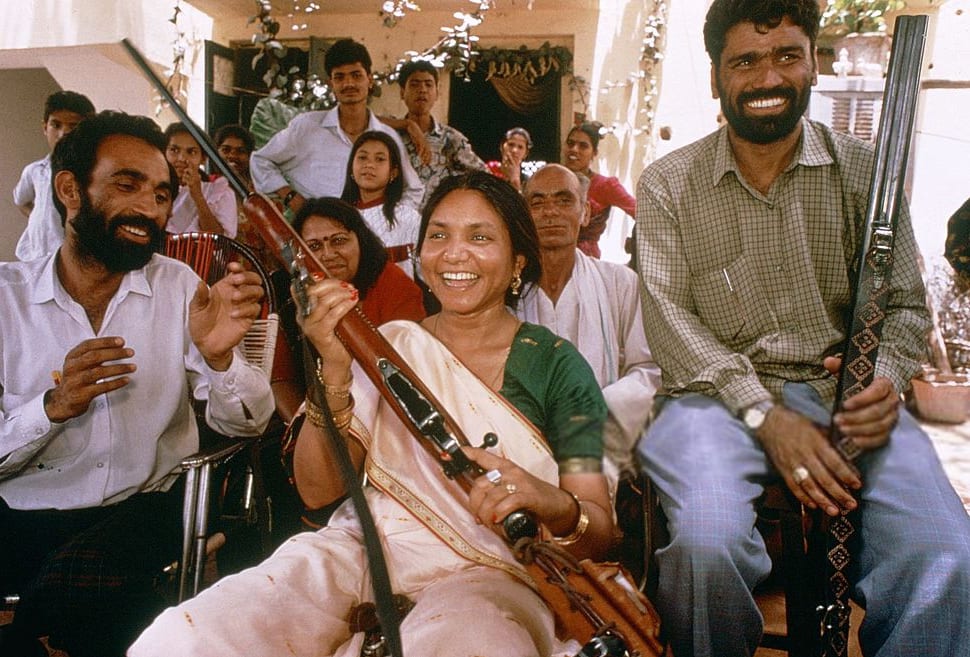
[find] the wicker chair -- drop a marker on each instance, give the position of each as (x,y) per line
(209,256)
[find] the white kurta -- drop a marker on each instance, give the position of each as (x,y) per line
(221,201)
(599,312)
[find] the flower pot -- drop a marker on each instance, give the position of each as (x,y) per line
(942,397)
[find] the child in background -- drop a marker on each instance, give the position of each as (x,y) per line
(374,186)
(44,234)
(199,206)
(515,147)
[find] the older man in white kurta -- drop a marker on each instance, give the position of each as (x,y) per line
(593,304)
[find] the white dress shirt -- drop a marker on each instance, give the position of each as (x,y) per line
(44,233)
(310,155)
(221,201)
(599,312)
(130,439)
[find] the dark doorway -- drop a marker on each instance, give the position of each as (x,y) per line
(475,108)
(221,102)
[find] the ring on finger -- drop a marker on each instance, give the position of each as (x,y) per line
(800,473)
(494,476)
(511,488)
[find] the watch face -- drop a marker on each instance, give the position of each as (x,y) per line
(754,418)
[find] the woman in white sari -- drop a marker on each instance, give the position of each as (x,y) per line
(444,547)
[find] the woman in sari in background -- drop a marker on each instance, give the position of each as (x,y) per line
(350,251)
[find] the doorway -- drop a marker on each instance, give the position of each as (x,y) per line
(477,109)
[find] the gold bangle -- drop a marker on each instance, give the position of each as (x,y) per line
(582,524)
(344,416)
(340,392)
(341,418)
(315,415)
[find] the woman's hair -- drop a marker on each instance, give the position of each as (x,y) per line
(395,187)
(591,129)
(522,132)
(509,204)
(373,256)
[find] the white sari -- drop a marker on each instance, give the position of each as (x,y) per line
(472,599)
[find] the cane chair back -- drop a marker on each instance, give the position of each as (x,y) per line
(209,256)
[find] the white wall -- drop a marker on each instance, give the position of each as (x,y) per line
(74,44)
(941,150)
(22,89)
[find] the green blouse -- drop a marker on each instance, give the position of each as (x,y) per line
(550,383)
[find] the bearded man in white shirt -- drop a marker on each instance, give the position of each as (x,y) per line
(101,345)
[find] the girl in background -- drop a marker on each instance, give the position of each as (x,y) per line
(605,192)
(515,147)
(374,186)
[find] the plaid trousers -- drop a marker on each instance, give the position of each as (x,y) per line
(86,577)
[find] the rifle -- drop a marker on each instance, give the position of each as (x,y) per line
(593,603)
(870,298)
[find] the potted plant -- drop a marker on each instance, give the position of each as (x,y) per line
(842,17)
(860,27)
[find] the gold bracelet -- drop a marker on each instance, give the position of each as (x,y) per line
(344,416)
(341,418)
(340,392)
(315,415)
(582,524)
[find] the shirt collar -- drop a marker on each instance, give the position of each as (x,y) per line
(811,151)
(436,128)
(49,286)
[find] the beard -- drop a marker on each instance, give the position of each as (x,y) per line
(765,129)
(96,238)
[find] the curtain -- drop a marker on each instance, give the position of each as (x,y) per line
(519,95)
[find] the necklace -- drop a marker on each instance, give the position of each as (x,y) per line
(495,380)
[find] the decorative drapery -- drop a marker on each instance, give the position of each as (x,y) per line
(523,96)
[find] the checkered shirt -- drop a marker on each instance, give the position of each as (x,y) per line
(745,291)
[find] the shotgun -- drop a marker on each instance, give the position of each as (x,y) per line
(870,296)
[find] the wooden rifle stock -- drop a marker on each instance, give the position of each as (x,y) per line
(870,298)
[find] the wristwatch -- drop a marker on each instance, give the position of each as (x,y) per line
(754,416)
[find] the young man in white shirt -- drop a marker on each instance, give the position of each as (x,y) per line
(63,110)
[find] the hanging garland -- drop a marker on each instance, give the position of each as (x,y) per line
(176,81)
(651,69)
(530,64)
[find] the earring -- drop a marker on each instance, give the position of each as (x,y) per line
(516,285)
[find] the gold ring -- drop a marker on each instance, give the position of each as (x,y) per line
(800,473)
(511,488)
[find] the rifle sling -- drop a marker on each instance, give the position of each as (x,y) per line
(384,599)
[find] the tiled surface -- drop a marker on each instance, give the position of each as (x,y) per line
(952,442)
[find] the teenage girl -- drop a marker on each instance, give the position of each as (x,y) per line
(375,187)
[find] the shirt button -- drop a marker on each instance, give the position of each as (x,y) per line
(230,379)
(100,465)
